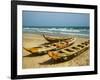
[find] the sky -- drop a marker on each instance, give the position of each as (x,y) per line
(33,18)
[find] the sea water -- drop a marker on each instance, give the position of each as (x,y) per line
(82,31)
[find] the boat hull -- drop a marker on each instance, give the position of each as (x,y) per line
(54,39)
(50,47)
(71,52)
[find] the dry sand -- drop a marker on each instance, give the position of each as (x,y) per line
(44,61)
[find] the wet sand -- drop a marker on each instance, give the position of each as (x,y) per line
(44,61)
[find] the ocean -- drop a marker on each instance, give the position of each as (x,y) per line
(82,31)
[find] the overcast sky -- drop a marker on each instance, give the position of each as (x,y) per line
(33,18)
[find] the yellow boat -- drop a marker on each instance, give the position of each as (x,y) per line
(69,52)
(49,47)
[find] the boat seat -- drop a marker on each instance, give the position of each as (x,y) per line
(54,44)
(62,42)
(69,50)
(54,49)
(37,47)
(61,52)
(80,46)
(47,45)
(84,43)
(76,48)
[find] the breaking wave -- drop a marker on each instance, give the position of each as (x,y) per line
(67,31)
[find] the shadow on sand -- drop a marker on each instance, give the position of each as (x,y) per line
(34,55)
(52,61)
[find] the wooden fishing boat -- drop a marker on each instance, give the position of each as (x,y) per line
(69,52)
(53,39)
(49,47)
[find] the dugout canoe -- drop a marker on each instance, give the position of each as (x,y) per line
(54,39)
(69,52)
(49,47)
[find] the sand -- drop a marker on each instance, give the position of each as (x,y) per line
(44,61)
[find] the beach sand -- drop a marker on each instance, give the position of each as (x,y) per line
(44,61)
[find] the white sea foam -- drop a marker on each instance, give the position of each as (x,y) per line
(53,29)
(64,29)
(67,31)
(76,34)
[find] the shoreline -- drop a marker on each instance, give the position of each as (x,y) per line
(33,40)
(57,35)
